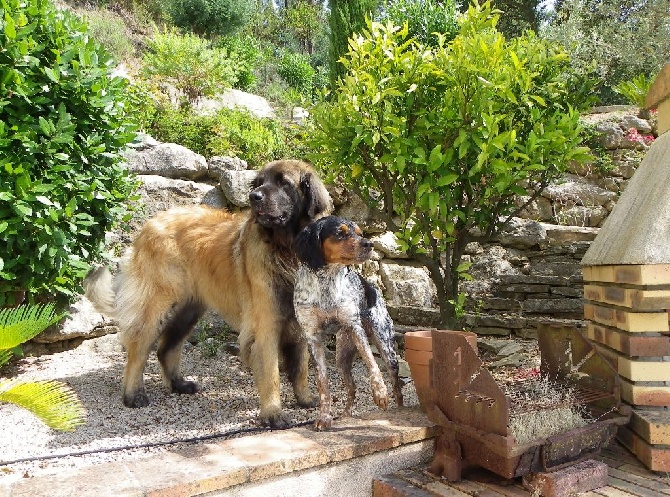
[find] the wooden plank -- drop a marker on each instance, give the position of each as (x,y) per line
(429,483)
(640,480)
(622,455)
(392,486)
(612,492)
(640,470)
(632,488)
(474,488)
(610,461)
(507,490)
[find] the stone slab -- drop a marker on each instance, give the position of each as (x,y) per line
(636,299)
(576,478)
(648,322)
(217,468)
(647,274)
(637,229)
(631,344)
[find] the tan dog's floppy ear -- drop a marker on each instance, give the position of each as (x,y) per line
(318,198)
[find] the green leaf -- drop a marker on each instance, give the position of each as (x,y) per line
(53,402)
(446,179)
(10,27)
(53,76)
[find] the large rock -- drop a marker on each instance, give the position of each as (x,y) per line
(236,185)
(522,233)
(159,193)
(579,191)
(83,321)
(387,244)
(169,160)
(232,99)
(407,286)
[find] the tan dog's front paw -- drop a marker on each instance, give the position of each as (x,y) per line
(277,420)
(308,400)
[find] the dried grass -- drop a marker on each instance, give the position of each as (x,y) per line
(541,408)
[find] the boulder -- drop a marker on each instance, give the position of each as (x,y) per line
(169,160)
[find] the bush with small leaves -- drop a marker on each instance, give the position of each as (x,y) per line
(189,63)
(440,141)
(63,122)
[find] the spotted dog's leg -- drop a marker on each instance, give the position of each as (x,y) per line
(346,352)
(325,419)
(379,392)
(380,331)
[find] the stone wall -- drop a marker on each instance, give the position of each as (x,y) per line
(531,274)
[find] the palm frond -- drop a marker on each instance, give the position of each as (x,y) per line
(53,402)
(20,324)
(5,356)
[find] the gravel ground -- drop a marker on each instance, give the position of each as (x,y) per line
(227,406)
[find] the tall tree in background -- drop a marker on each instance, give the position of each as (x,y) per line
(613,40)
(517,16)
(346,18)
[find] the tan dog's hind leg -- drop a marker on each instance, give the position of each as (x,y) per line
(137,351)
(296,356)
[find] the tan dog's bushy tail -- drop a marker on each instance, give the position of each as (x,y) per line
(99,289)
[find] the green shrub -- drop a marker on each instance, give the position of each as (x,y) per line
(635,91)
(295,69)
(189,63)
(424,18)
(108,29)
(245,50)
(63,121)
(230,132)
(440,142)
(211,17)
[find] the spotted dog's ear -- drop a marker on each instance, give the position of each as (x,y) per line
(307,245)
(318,198)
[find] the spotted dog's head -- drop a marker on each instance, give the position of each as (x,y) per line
(287,194)
(332,240)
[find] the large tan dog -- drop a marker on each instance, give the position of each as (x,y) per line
(242,265)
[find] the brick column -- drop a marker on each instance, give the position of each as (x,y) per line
(627,311)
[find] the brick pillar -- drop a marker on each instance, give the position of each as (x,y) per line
(626,307)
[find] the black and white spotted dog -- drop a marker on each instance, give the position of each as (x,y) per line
(331,298)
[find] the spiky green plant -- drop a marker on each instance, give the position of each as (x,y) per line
(53,402)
